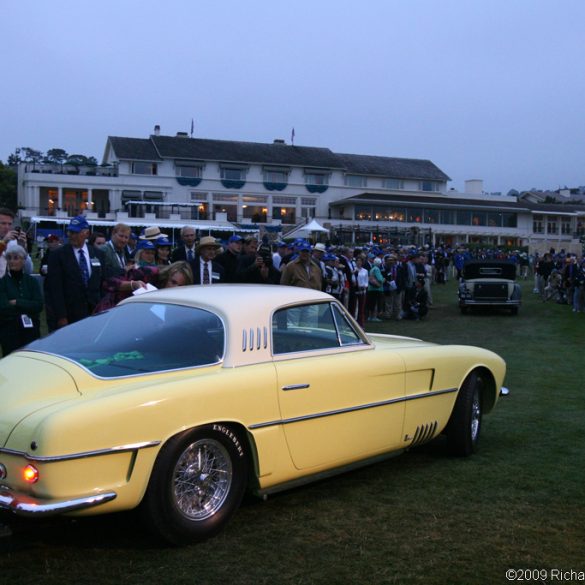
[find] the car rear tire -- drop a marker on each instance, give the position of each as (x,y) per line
(197,484)
(464,426)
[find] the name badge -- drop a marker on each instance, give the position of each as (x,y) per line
(215,276)
(95,263)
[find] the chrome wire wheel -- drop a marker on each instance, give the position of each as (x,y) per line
(475,416)
(202,479)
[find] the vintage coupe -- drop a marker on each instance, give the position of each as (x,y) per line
(177,401)
(489,284)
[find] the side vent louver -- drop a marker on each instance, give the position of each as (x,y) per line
(424,433)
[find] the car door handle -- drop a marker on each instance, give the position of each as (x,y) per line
(296,387)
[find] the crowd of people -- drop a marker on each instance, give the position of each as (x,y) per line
(90,273)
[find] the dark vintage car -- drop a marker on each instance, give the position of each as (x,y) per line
(489,284)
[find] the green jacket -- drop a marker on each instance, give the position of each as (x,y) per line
(27,293)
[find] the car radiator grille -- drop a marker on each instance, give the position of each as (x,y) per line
(424,433)
(490,291)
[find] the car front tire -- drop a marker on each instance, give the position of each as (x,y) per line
(464,426)
(197,484)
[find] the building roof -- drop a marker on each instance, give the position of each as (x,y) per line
(434,201)
(244,152)
(384,166)
(158,148)
(134,148)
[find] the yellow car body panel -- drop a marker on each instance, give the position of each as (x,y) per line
(299,415)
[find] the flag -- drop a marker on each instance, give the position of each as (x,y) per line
(292,136)
(192,127)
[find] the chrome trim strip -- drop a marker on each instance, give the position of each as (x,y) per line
(504,391)
(83,455)
(288,421)
(296,387)
(23,505)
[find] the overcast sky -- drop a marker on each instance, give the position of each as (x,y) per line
(486,89)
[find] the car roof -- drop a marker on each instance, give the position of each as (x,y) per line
(232,298)
(246,310)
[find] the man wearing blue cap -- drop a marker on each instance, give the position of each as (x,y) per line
(74,276)
(229,258)
(302,271)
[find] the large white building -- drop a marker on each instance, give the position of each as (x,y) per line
(218,185)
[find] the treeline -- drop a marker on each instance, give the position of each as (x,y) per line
(56,156)
(26,154)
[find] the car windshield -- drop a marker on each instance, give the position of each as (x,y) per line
(139,338)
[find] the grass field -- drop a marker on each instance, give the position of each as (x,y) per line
(424,517)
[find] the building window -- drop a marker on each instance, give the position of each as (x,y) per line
(189,171)
(431,216)
(231,211)
(229,174)
(308,207)
(538,224)
(392,184)
(284,214)
(463,217)
(356,181)
(316,182)
(233,177)
(429,186)
(478,218)
(144,168)
(566,227)
(275,179)
(552,227)
(509,220)
(363,213)
(448,216)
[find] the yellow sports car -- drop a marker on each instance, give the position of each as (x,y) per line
(179,400)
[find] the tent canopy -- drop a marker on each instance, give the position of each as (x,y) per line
(304,230)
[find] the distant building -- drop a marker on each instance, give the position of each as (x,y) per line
(228,186)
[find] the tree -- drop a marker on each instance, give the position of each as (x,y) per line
(32,155)
(56,156)
(14,159)
(8,187)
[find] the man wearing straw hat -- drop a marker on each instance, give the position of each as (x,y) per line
(205,269)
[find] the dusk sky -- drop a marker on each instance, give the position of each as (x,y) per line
(486,89)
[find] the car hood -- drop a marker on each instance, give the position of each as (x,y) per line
(396,341)
(29,383)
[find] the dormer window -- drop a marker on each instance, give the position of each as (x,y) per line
(144,168)
(233,176)
(356,181)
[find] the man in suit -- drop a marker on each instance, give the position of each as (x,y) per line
(116,254)
(205,269)
(74,276)
(187,251)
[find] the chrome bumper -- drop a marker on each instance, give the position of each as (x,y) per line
(23,505)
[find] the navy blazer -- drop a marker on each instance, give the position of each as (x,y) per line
(67,296)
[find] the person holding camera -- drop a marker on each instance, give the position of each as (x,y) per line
(261,270)
(11,236)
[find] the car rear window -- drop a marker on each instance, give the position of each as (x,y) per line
(139,338)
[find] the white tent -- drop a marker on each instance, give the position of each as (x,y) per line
(303,231)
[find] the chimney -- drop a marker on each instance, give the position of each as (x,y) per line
(279,141)
(157,130)
(182,135)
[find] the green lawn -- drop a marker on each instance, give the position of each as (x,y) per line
(423,517)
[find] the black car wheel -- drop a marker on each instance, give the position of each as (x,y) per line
(197,484)
(464,425)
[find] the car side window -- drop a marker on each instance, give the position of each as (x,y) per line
(310,327)
(347,334)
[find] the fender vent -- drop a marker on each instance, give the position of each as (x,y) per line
(424,433)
